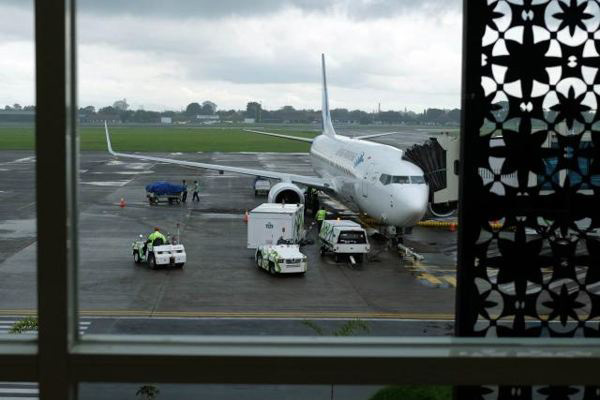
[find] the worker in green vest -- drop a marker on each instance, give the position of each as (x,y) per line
(321,214)
(155,235)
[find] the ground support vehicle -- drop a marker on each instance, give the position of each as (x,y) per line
(261,186)
(343,238)
(270,223)
(171,198)
(164,192)
(163,255)
(281,259)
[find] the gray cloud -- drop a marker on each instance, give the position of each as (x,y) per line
(399,52)
(208,9)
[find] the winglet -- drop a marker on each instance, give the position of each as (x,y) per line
(110,149)
(327,126)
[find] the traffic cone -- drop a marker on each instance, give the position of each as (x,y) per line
(122,203)
(246,216)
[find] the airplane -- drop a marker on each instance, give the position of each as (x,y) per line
(370,177)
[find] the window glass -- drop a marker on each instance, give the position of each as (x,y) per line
(385,179)
(185,82)
(349,237)
(109,391)
(400,179)
(417,179)
(18,217)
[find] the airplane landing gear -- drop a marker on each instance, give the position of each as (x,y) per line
(395,236)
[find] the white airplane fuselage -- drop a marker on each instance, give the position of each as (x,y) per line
(356,167)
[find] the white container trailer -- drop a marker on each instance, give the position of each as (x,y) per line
(270,222)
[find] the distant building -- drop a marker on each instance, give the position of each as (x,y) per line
(17,116)
(207,119)
(99,118)
(249,120)
(166,120)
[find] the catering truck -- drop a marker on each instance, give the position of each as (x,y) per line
(273,223)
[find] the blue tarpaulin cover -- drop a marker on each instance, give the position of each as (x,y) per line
(162,187)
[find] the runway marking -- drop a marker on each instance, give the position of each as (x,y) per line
(430,278)
(7,323)
(107,183)
(26,205)
(252,314)
(18,390)
(451,280)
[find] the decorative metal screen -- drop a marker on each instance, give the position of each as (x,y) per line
(529,254)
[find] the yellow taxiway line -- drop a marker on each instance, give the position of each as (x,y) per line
(249,314)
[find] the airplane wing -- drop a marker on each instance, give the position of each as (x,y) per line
(311,181)
(301,139)
(375,135)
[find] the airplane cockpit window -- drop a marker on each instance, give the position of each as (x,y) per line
(400,179)
(385,179)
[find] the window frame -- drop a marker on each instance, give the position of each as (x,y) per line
(59,359)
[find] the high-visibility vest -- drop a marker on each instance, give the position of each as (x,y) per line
(157,234)
(321,214)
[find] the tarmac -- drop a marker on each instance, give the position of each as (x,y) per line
(220,279)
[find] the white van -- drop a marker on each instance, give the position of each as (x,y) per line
(343,237)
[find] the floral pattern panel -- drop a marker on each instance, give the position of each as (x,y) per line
(531,247)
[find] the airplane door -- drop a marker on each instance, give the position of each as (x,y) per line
(365,180)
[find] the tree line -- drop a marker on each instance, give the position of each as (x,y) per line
(196,112)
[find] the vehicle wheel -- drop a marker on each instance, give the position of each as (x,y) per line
(136,257)
(152,261)
(259,260)
(180,265)
(336,258)
(272,268)
(256,193)
(322,251)
(359,258)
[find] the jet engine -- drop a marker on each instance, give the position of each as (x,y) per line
(286,192)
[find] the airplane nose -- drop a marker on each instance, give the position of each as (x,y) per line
(412,205)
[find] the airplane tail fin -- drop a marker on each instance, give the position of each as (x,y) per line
(326,126)
(110,149)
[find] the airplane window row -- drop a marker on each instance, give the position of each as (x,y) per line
(387,179)
(344,170)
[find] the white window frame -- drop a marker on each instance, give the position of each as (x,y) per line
(59,359)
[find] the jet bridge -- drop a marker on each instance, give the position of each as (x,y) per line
(438,158)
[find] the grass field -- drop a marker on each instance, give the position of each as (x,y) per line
(165,139)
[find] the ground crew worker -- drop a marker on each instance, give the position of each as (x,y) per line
(196,190)
(321,214)
(153,236)
(185,191)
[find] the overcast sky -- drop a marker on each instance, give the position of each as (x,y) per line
(164,55)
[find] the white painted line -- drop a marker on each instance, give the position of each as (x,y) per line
(17,391)
(19,398)
(107,183)
(381,319)
(20,384)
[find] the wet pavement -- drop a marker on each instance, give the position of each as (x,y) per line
(220,277)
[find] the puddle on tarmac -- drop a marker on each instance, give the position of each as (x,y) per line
(17,228)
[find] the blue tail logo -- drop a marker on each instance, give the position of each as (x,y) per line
(359,159)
